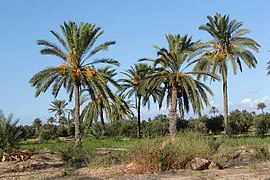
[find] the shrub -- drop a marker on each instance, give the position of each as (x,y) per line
(62,132)
(48,132)
(159,126)
(129,128)
(262,124)
(240,121)
(153,156)
(214,124)
(10,134)
(27,132)
(197,125)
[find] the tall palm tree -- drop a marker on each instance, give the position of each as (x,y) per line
(181,88)
(214,110)
(227,46)
(75,72)
(51,120)
(100,101)
(261,106)
(58,107)
(136,84)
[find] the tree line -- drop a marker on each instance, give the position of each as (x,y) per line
(175,77)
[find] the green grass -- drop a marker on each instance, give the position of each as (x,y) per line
(90,143)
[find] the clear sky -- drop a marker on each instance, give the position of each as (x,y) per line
(136,25)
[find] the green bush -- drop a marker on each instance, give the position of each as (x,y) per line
(240,121)
(159,126)
(62,132)
(214,124)
(197,125)
(262,124)
(10,134)
(27,132)
(48,132)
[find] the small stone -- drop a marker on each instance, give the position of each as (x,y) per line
(198,164)
(214,165)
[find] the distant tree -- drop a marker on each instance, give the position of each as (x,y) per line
(261,106)
(51,120)
(37,125)
(27,131)
(58,107)
(63,121)
(227,46)
(240,121)
(214,110)
(262,124)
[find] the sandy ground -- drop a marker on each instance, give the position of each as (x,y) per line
(49,166)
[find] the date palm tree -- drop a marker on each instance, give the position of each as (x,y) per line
(100,101)
(214,110)
(136,84)
(76,72)
(58,107)
(51,120)
(120,109)
(228,46)
(180,87)
(261,106)
(37,125)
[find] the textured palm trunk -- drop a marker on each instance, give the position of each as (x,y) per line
(225,101)
(139,118)
(102,123)
(172,116)
(77,116)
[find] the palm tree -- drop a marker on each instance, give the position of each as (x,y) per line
(63,121)
(10,133)
(37,124)
(75,72)
(51,120)
(58,107)
(100,101)
(261,106)
(120,109)
(181,88)
(136,85)
(214,110)
(227,46)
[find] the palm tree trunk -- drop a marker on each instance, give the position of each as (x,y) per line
(172,116)
(139,118)
(225,101)
(102,123)
(77,116)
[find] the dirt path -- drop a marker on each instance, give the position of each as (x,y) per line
(48,166)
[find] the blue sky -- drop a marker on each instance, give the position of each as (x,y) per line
(136,26)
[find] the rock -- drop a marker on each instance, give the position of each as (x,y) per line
(214,165)
(198,164)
